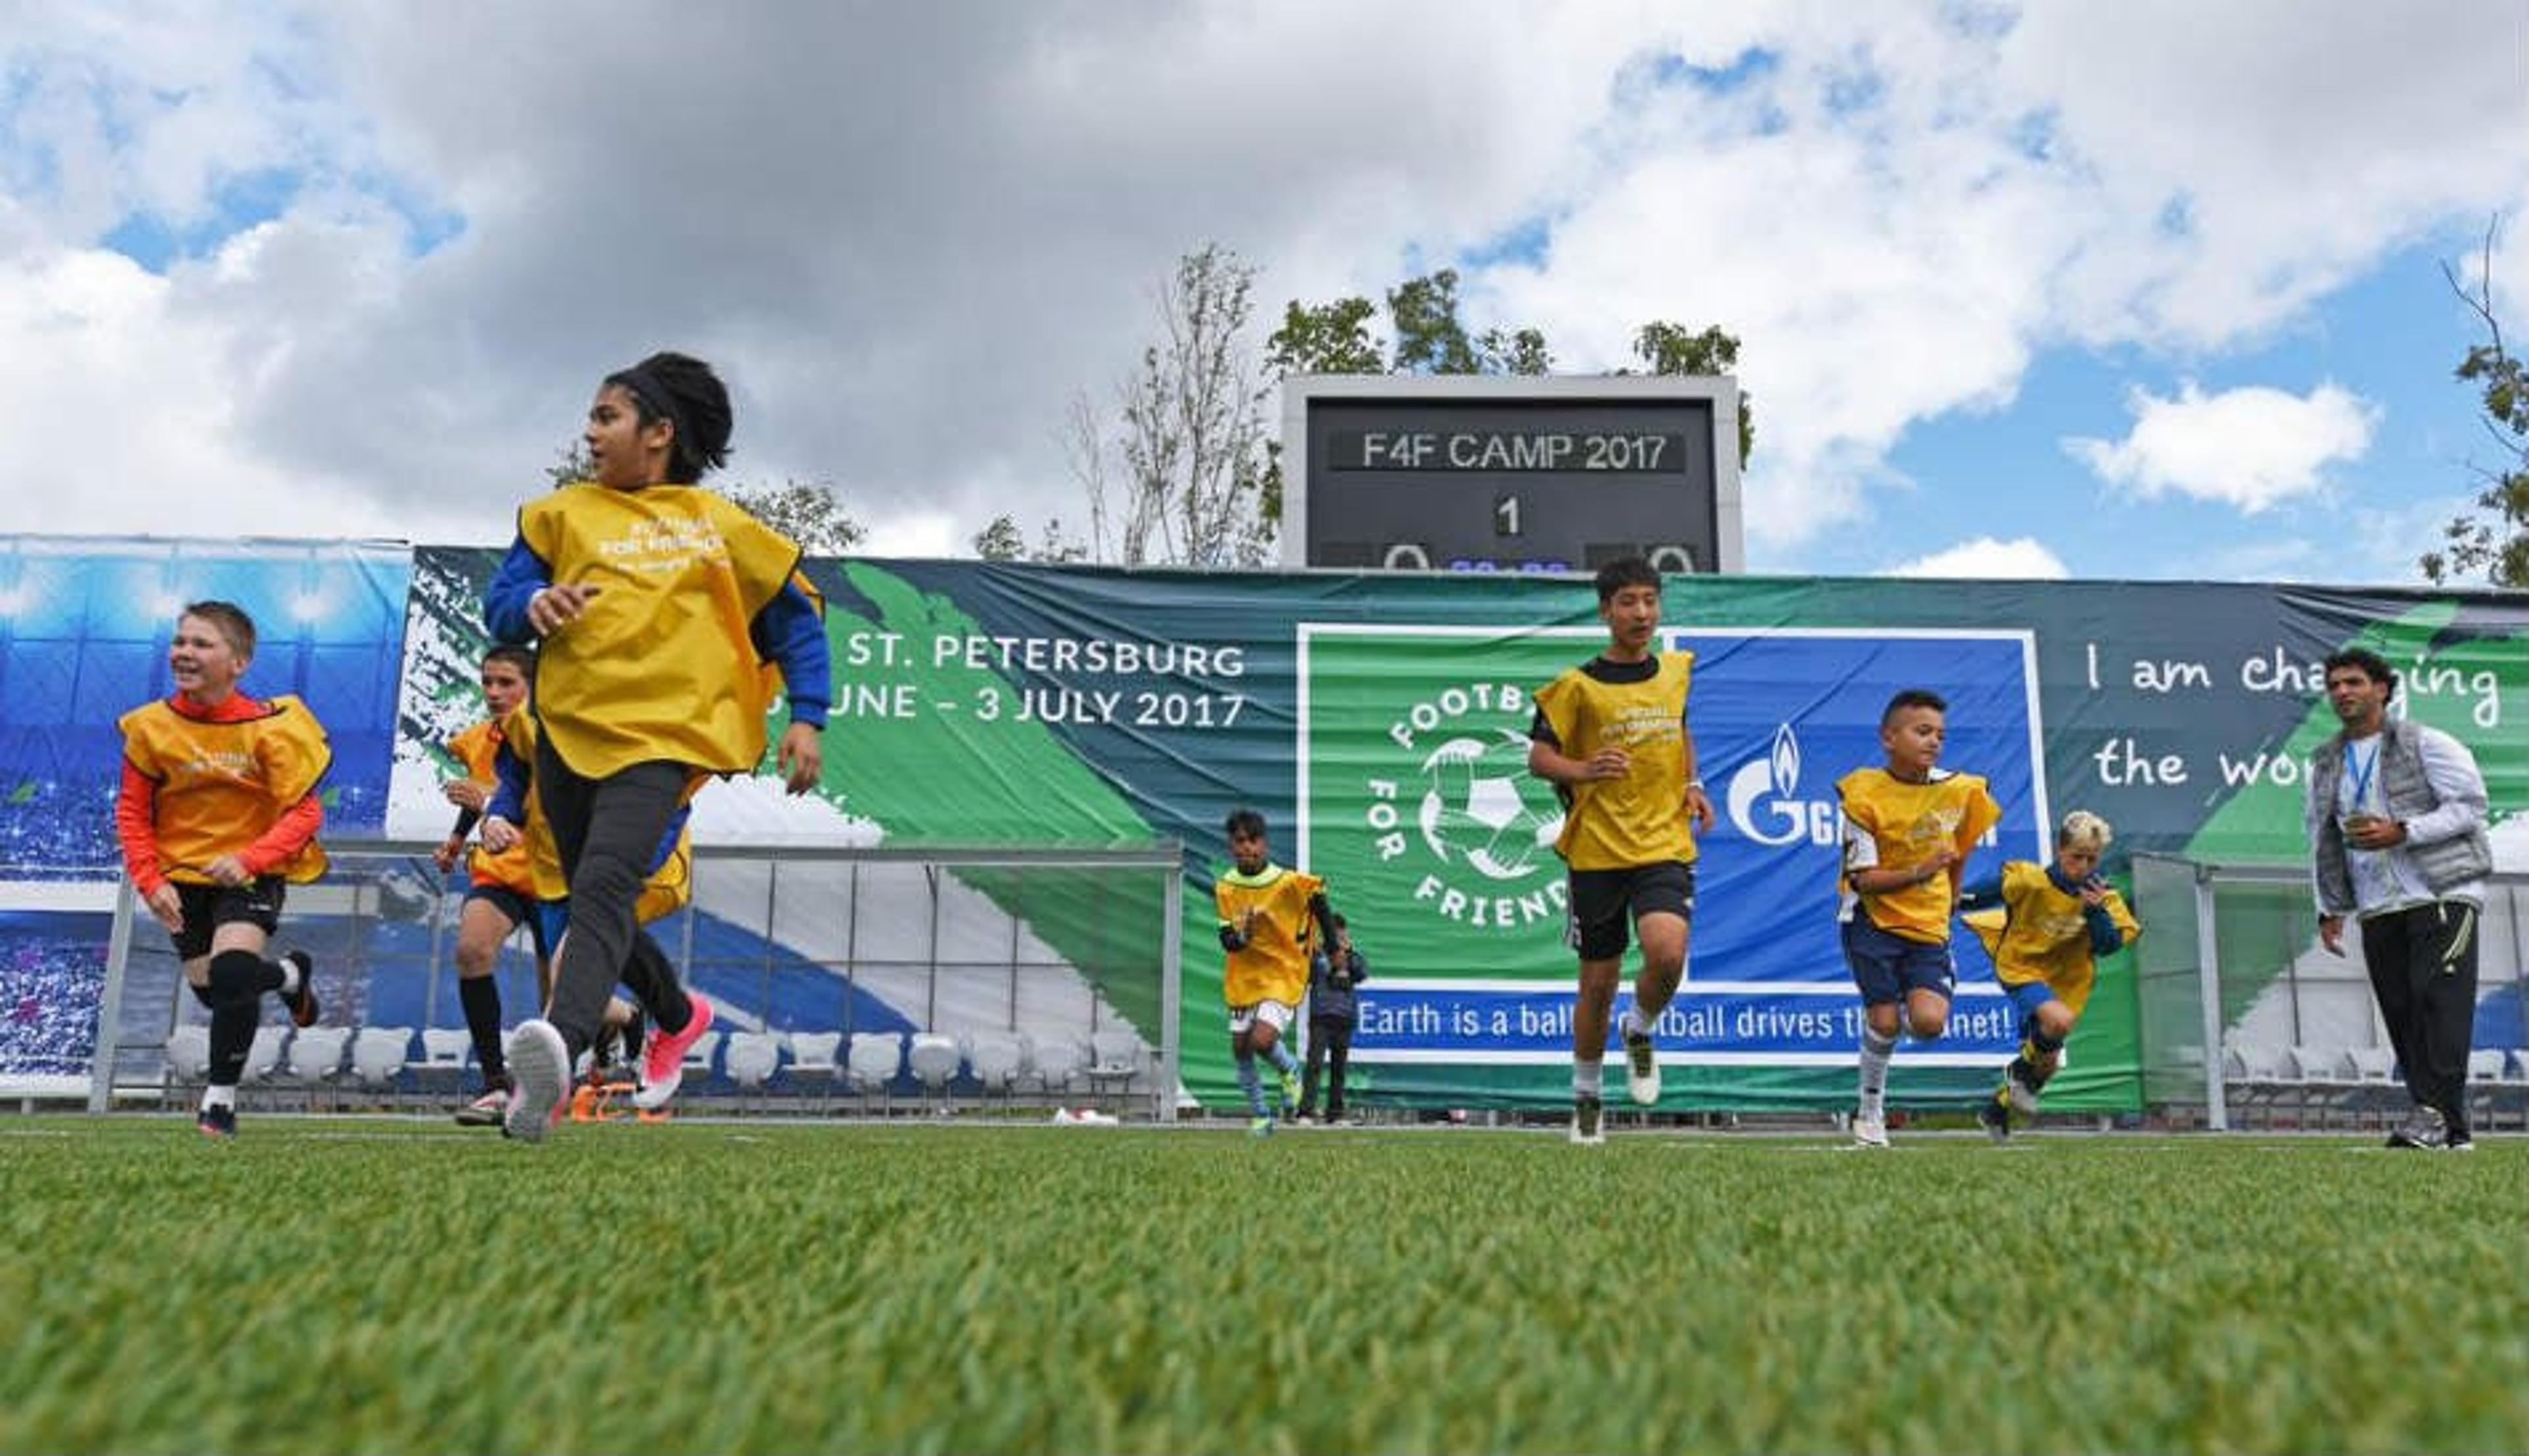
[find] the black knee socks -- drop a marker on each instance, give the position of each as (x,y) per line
(239,980)
(480,996)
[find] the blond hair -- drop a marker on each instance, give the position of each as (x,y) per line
(2083,830)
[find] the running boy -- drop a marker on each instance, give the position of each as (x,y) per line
(1907,830)
(2046,926)
(1270,918)
(218,809)
(501,890)
(663,610)
(1612,737)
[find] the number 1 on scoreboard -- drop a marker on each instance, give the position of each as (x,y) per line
(1506,514)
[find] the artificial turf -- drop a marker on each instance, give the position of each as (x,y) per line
(390,1285)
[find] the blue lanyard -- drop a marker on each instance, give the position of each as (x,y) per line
(2362,770)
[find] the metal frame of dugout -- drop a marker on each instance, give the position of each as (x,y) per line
(970,968)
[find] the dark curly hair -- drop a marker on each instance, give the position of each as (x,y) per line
(685,392)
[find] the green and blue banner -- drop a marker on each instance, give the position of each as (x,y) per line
(1380,723)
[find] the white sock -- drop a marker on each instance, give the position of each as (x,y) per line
(290,976)
(1633,1024)
(1587,1079)
(218,1097)
(1875,1052)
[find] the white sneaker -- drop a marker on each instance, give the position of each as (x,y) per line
(1869,1132)
(1589,1122)
(1642,1071)
(2024,1098)
(539,1081)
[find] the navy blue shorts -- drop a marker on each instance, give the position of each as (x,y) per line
(2028,995)
(515,908)
(1888,967)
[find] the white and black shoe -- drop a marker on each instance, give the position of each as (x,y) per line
(539,1081)
(2423,1128)
(1589,1122)
(1642,1069)
(2021,1092)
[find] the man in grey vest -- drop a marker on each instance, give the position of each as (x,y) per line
(2396,821)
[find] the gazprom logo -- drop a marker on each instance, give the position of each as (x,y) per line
(1763,800)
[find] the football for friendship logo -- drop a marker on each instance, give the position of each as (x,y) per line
(1463,810)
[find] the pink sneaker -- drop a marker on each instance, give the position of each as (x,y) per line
(663,1059)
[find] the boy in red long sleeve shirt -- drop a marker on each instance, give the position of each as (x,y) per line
(218,810)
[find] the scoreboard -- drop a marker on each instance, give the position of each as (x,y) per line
(1492,473)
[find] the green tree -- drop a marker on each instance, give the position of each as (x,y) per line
(1178,474)
(1519,351)
(1676,349)
(1430,339)
(1329,339)
(1000,541)
(1335,337)
(804,511)
(1003,541)
(2493,536)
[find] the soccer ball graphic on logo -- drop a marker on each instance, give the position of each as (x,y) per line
(1476,806)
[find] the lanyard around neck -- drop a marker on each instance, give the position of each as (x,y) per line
(2360,767)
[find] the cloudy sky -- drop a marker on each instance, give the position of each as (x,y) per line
(2140,289)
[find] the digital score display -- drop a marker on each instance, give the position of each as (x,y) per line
(1519,475)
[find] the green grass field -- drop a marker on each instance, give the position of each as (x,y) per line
(388,1285)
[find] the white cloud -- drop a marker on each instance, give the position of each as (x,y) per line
(909,234)
(2251,448)
(929,533)
(2023,559)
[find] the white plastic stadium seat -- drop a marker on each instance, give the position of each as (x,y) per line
(2326,1078)
(445,1051)
(752,1059)
(998,1059)
(874,1060)
(1061,1058)
(698,1063)
(263,1057)
(935,1059)
(2266,1076)
(377,1057)
(315,1058)
(1114,1061)
(812,1059)
(2485,1085)
(188,1060)
(2375,1080)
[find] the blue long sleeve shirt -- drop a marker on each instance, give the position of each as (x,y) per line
(789,632)
(2105,937)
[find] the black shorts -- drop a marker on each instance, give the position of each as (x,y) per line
(516,908)
(1607,902)
(207,908)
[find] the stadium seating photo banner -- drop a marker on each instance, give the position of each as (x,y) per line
(1380,723)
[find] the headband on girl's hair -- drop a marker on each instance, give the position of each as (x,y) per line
(646,388)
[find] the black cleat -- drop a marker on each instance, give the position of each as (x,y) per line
(303,1006)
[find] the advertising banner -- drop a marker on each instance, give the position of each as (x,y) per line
(1379,721)
(1420,808)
